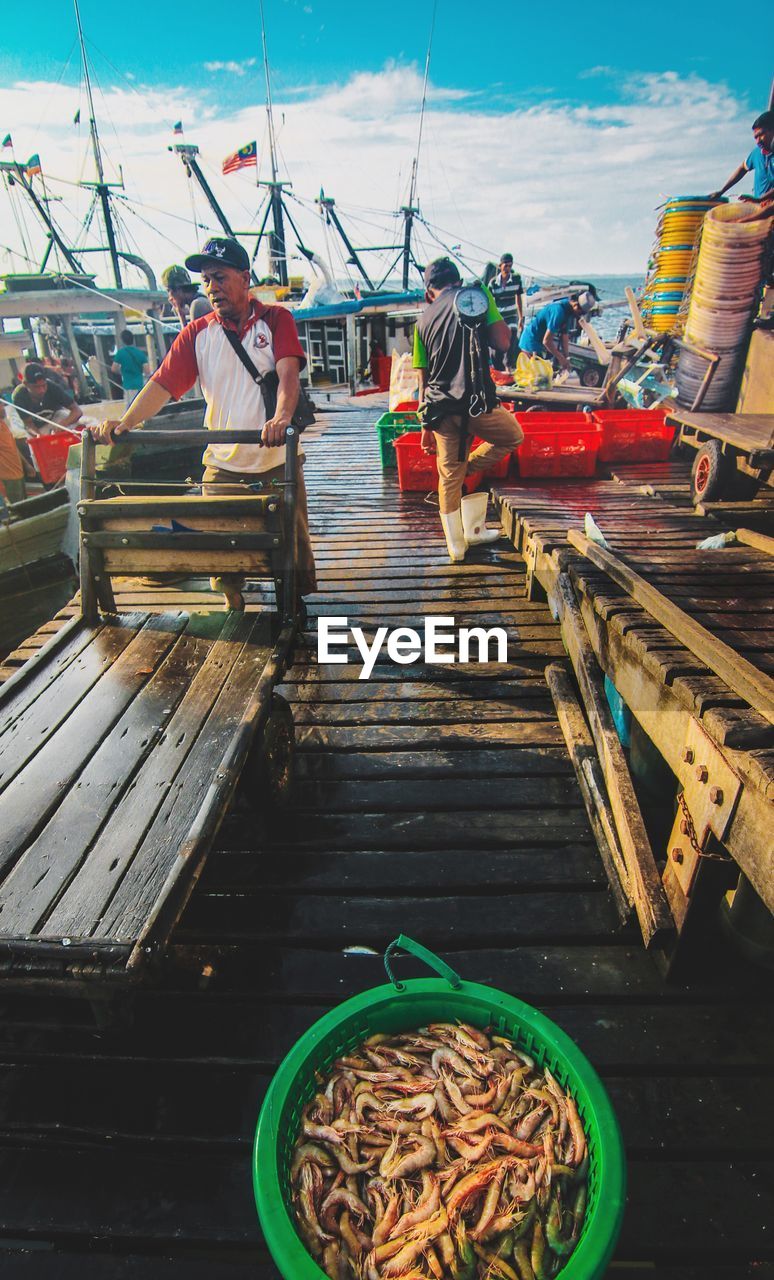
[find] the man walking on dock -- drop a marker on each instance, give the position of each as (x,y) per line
(444,350)
(207,349)
(131,364)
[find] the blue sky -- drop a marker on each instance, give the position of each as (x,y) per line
(555,131)
(529,51)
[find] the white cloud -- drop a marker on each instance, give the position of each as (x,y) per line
(234,68)
(566,188)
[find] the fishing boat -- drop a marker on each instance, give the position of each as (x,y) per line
(31,535)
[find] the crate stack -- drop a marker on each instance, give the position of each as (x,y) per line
(672,260)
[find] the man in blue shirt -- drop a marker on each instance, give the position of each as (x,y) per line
(760,161)
(547,333)
(132,364)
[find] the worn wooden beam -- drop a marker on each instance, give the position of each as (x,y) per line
(760,541)
(740,675)
(585,762)
(649,899)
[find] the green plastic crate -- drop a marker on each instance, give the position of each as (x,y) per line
(388,428)
(402,1006)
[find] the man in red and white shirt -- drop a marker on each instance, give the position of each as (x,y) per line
(234,400)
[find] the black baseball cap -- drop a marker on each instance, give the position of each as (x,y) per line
(221,251)
(34,373)
(440,273)
(506,257)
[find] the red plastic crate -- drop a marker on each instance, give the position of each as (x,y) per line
(634,435)
(406,406)
(50,453)
(418,471)
(558,444)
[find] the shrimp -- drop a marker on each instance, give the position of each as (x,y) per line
(476,1121)
(393,1165)
(515,1146)
(309,1151)
(474,1183)
(453,1059)
(410,1251)
(491,1200)
(334,1201)
(455,1095)
(530,1122)
(356,1241)
(421,1103)
(428,1204)
(307,1195)
(576,1129)
(322,1133)
(386,1225)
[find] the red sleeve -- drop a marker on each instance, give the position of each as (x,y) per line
(284,334)
(178,371)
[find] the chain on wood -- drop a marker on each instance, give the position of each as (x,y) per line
(689,830)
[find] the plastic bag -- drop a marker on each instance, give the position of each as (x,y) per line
(533,371)
(404,379)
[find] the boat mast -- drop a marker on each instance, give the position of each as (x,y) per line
(411,209)
(100,186)
(278,262)
(14,172)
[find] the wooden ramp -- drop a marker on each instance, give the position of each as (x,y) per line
(686,637)
(116,763)
(429,799)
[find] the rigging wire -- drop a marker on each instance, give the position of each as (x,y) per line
(488,252)
(415,165)
(18,215)
(130,208)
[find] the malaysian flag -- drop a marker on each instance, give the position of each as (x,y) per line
(177,128)
(242,158)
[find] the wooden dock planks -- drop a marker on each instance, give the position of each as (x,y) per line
(125,1152)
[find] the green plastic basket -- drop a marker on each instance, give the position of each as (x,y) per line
(403,1006)
(388,428)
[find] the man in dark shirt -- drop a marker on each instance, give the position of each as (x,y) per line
(441,355)
(41,397)
(508,293)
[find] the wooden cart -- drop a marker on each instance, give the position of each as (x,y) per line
(123,739)
(734,452)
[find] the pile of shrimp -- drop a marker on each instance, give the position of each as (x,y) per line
(444,1153)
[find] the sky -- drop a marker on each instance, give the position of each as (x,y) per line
(553,132)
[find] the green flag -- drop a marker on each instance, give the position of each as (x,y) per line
(77,117)
(8,140)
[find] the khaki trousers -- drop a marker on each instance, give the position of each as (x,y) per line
(501,434)
(307,580)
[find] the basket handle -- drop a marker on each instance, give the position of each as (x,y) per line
(422,953)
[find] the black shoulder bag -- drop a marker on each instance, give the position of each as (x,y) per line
(269,383)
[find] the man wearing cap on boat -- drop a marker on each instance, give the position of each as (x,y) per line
(235,401)
(443,342)
(547,333)
(186,297)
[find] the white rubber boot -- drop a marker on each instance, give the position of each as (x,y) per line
(455,537)
(474,520)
